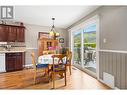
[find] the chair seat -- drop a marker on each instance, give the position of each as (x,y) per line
(41,66)
(58,68)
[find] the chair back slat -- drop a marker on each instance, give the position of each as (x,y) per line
(69,57)
(33,59)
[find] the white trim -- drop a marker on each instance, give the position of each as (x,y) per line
(86,22)
(71,42)
(70,39)
(97,45)
(116,88)
(82,48)
(28,65)
(115,51)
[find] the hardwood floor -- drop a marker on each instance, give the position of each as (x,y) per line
(24,80)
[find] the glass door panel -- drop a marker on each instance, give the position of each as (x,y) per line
(77,47)
(89,47)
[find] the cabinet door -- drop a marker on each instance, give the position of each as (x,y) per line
(12,33)
(10,62)
(21,34)
(19,62)
(40,47)
(3,33)
(55,43)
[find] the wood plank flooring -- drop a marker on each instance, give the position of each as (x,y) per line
(24,80)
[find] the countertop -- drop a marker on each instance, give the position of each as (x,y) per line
(11,51)
(14,50)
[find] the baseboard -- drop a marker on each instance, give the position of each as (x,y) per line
(28,65)
(115,88)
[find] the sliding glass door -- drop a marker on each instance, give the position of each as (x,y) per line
(84,48)
(89,47)
(77,47)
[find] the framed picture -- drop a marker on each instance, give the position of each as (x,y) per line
(61,40)
(43,35)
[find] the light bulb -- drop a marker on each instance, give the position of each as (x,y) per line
(51,33)
(57,34)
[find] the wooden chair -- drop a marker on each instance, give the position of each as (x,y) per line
(37,67)
(58,68)
(68,60)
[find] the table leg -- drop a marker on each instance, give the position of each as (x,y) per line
(61,75)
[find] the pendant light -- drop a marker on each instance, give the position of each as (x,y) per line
(53,34)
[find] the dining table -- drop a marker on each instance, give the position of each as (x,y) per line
(47,59)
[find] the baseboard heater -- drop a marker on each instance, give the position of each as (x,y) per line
(108,79)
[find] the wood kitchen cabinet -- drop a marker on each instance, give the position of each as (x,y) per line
(20,34)
(19,61)
(14,61)
(3,33)
(11,33)
(10,62)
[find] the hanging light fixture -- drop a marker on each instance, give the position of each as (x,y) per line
(53,32)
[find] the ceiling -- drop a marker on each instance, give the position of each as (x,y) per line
(41,15)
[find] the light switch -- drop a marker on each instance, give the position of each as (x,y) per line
(104,40)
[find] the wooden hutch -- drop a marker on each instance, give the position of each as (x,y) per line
(44,42)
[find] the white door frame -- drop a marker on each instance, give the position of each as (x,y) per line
(94,19)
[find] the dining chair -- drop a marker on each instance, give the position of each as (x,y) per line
(68,60)
(37,67)
(58,67)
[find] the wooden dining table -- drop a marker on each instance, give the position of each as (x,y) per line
(47,59)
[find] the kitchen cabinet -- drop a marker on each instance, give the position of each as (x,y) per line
(19,61)
(20,34)
(11,33)
(14,61)
(10,62)
(3,33)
